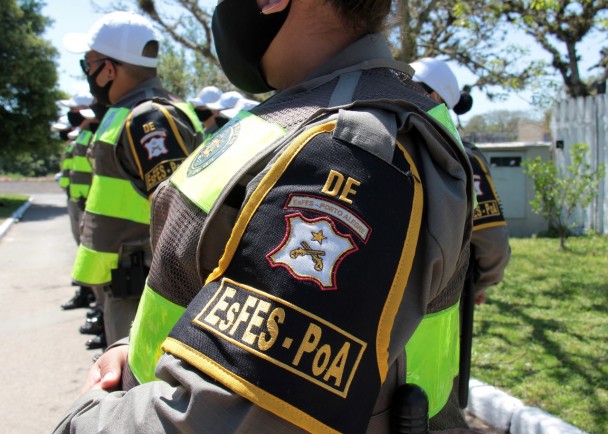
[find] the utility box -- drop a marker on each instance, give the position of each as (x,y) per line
(515,188)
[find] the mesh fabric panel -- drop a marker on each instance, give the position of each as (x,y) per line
(176,228)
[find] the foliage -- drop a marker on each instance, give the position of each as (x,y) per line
(542,336)
(501,124)
(28,81)
(469,33)
(31,164)
(559,27)
(9,203)
(476,34)
(559,192)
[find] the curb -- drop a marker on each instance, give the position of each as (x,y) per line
(503,412)
(15,217)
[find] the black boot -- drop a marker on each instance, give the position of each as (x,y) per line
(80,299)
(92,326)
(98,341)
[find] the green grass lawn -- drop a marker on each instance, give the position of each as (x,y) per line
(543,334)
(9,203)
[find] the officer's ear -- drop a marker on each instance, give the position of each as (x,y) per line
(268,7)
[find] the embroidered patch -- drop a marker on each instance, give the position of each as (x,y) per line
(332,209)
(160,172)
(213,148)
(154,142)
(284,334)
(312,250)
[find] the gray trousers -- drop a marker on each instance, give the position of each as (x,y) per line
(75,213)
(118,314)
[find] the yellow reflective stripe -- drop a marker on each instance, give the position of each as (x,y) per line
(113,197)
(64,182)
(84,137)
(92,267)
(155,318)
(433,356)
(111,125)
(66,164)
(410,246)
(81,164)
(203,188)
(79,190)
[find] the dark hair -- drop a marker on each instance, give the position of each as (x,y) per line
(142,73)
(366,16)
(464,104)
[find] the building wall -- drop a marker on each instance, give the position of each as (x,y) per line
(514,188)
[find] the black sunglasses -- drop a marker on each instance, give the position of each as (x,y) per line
(86,64)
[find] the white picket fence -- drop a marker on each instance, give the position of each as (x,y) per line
(584,120)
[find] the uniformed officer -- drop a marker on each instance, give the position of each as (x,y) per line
(207,95)
(144,136)
(75,179)
(490,240)
(299,248)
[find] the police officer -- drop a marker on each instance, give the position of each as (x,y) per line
(76,179)
(144,136)
(490,240)
(301,247)
(207,95)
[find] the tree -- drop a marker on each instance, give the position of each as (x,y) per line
(559,192)
(467,32)
(28,80)
(560,26)
(474,33)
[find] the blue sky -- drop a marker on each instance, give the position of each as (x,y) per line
(79,15)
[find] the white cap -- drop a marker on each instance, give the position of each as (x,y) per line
(61,124)
(80,99)
(227,101)
(437,75)
(208,95)
(87,113)
(119,35)
(74,133)
(242,104)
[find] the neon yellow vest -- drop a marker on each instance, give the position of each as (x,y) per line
(81,165)
(110,197)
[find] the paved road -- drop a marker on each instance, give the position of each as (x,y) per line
(44,361)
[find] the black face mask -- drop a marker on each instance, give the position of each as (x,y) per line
(75,118)
(220,121)
(101,93)
(99,109)
(242,35)
(63,134)
(93,127)
(203,114)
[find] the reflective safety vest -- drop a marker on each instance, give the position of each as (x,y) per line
(114,203)
(432,352)
(81,174)
(66,166)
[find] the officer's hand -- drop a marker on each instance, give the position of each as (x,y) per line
(107,370)
(480,298)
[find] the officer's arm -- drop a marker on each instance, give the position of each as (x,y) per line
(185,401)
(492,253)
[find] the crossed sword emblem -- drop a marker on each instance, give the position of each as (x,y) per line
(306,250)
